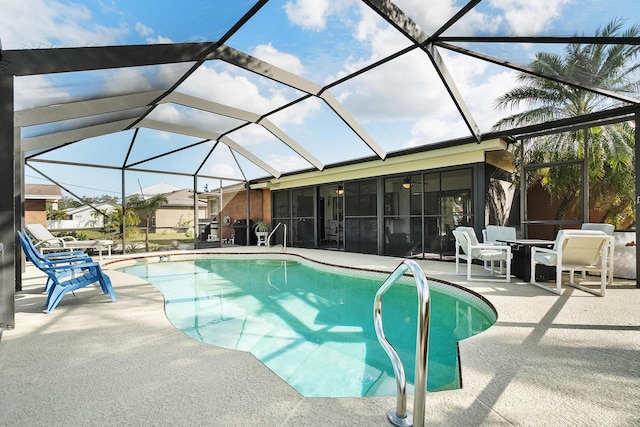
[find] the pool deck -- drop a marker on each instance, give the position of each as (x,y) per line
(569,360)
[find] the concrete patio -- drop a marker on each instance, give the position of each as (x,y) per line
(549,360)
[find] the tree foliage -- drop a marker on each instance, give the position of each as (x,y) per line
(610,148)
(149,206)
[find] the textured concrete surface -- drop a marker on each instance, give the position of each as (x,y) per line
(569,360)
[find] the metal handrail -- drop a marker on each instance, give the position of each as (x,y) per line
(399,415)
(284,241)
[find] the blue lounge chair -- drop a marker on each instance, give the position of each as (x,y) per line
(64,278)
(49,260)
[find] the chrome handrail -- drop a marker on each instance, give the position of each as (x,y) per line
(399,415)
(284,241)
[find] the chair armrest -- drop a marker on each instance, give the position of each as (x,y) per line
(64,255)
(45,242)
(81,266)
(68,238)
(535,249)
(490,246)
(75,261)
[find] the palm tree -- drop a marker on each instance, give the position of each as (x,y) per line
(115,219)
(608,149)
(149,206)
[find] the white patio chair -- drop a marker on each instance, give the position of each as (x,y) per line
(574,250)
(45,241)
(492,235)
(608,229)
(468,248)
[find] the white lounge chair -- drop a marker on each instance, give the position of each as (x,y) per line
(496,235)
(608,229)
(468,248)
(45,241)
(574,250)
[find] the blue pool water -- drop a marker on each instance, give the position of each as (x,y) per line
(314,328)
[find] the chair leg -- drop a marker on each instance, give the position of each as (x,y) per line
(532,280)
(107,288)
(55,296)
(604,279)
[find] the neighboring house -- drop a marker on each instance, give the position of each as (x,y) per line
(177,213)
(36,197)
(228,208)
(83,217)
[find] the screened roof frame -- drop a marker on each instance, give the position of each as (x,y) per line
(49,61)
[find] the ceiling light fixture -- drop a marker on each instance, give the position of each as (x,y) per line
(406,183)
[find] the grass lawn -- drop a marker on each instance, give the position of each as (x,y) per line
(157,241)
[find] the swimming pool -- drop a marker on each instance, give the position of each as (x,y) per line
(313,324)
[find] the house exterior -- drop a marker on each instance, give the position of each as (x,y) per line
(406,205)
(176,214)
(227,212)
(83,217)
(36,197)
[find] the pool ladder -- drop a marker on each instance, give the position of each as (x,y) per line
(284,239)
(399,415)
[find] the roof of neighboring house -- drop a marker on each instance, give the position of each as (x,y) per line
(161,188)
(101,206)
(42,192)
(183,197)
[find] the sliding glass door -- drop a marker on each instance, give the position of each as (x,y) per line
(331,216)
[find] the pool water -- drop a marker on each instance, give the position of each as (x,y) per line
(311,327)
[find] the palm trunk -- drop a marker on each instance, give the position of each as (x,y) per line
(146,235)
(585,177)
(562,213)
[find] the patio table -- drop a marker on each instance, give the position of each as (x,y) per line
(521,261)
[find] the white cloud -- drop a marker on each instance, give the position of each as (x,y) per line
(296,114)
(139,79)
(404,89)
(222,169)
(149,34)
(220,85)
(407,92)
(433,129)
(48,23)
(523,17)
(223,86)
(429,15)
(33,91)
(143,30)
(287,163)
(480,84)
(165,113)
(526,17)
(308,14)
(286,61)
(251,135)
(163,135)
(159,40)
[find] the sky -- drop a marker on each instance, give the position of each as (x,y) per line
(400,104)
